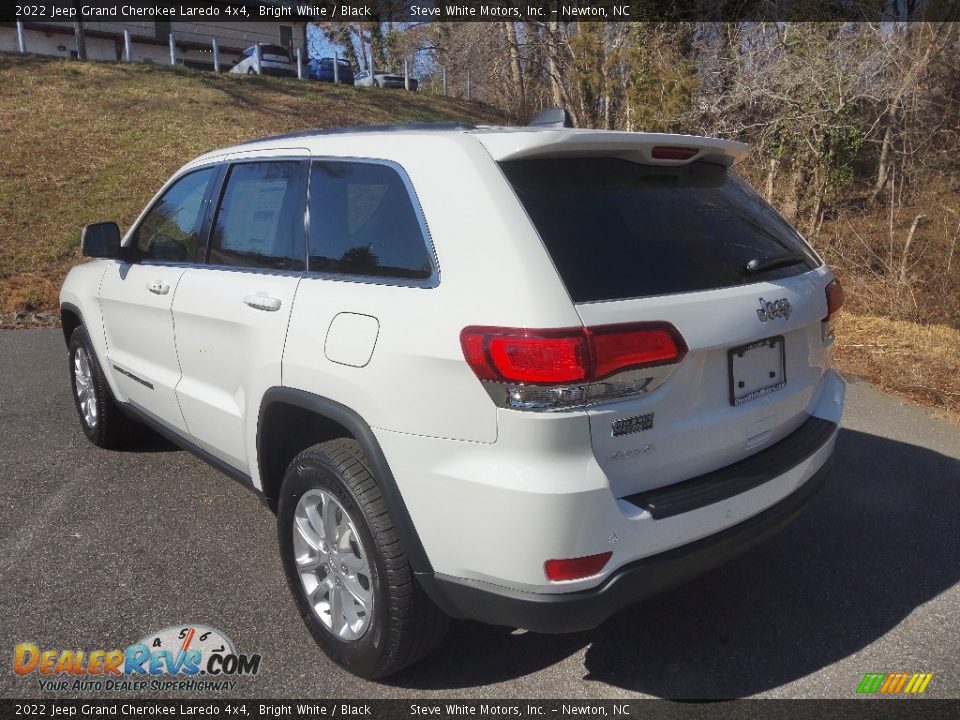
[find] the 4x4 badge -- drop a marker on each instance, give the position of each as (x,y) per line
(774,309)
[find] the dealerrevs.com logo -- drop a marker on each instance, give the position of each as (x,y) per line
(180,657)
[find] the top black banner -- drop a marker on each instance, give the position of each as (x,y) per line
(486,11)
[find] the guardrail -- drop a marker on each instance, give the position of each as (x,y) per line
(175,58)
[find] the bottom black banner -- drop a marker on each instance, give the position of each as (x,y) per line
(515,709)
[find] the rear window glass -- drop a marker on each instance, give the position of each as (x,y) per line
(362,222)
(618,229)
(274,50)
(260,222)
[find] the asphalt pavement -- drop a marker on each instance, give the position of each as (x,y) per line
(99,548)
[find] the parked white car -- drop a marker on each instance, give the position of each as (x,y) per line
(526,376)
(274,60)
(384,79)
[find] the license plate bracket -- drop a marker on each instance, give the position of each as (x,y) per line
(757,369)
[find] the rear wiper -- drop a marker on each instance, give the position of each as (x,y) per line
(764,262)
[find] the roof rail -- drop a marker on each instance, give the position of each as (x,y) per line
(554,117)
(366,128)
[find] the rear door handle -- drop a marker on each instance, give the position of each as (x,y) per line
(158,288)
(262,302)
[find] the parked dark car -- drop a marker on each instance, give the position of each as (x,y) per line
(322,69)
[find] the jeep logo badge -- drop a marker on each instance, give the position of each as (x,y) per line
(774,309)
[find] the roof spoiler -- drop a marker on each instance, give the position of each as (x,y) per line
(554,117)
(647,148)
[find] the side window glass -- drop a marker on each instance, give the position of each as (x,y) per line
(259,223)
(170,231)
(362,222)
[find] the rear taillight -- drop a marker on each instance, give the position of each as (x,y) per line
(834,297)
(576,568)
(667,152)
(551,369)
(620,347)
(834,303)
(539,358)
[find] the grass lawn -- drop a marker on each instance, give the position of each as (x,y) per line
(90,141)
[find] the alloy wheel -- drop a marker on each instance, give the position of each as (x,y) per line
(333,565)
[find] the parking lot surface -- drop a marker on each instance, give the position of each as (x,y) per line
(100,548)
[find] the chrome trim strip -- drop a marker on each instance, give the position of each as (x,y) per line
(133,377)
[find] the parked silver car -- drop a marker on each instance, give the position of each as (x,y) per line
(382,78)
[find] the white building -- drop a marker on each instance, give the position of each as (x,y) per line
(150,40)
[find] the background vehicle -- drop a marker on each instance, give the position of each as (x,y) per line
(322,69)
(274,60)
(644,392)
(384,79)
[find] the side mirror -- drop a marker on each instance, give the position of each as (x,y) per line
(101,240)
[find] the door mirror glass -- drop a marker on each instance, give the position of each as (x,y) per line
(101,240)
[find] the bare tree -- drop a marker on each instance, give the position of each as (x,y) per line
(910,51)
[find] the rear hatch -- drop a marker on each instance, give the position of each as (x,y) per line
(275,54)
(663,231)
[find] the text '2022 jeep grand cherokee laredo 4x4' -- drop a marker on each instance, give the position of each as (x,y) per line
(526,376)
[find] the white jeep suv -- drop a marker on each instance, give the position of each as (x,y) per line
(526,376)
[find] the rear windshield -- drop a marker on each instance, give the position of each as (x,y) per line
(274,50)
(617,229)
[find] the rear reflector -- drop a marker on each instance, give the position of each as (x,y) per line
(576,568)
(666,152)
(834,297)
(572,355)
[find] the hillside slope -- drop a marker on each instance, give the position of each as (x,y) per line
(83,142)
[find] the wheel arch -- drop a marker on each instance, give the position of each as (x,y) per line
(289,418)
(70,319)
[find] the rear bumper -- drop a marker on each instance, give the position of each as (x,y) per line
(488,515)
(274,71)
(572,612)
(732,480)
(396,84)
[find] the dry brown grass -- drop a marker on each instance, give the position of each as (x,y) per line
(83,142)
(900,258)
(921,362)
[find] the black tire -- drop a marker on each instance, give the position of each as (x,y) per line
(405,625)
(109,427)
